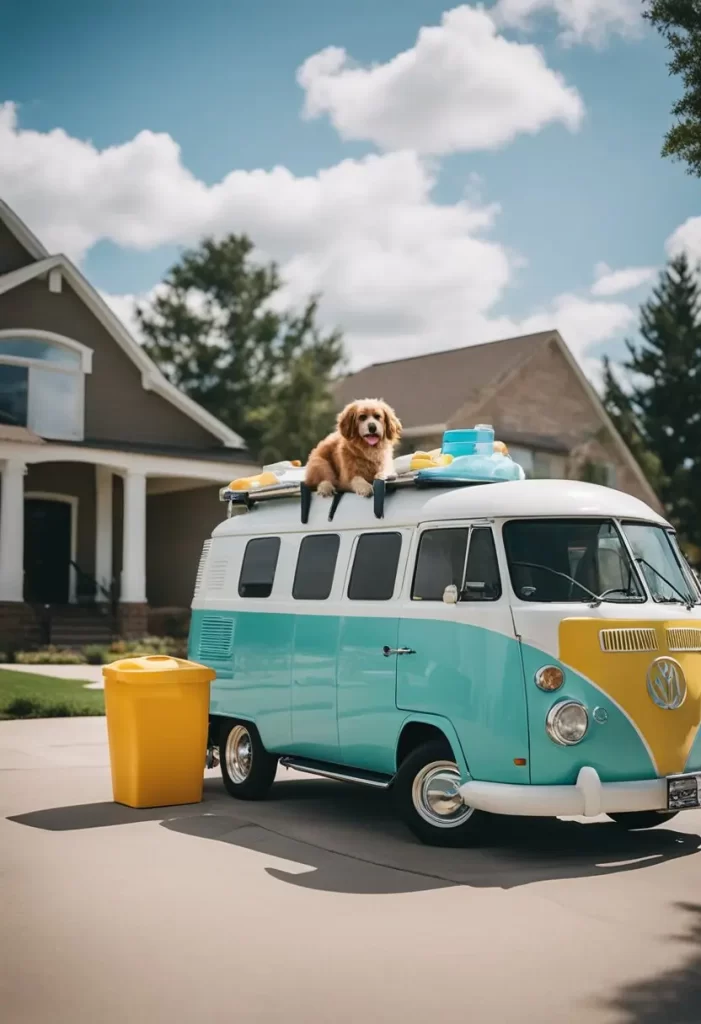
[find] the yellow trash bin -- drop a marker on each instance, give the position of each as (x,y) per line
(157,713)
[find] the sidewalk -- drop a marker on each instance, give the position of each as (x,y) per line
(92,674)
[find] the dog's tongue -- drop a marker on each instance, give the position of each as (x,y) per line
(371,438)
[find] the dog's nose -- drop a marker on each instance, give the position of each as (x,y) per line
(372,428)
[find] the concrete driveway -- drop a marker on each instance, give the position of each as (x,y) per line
(316,906)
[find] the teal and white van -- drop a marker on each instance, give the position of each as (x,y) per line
(530,647)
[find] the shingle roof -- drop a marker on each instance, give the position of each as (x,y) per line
(429,389)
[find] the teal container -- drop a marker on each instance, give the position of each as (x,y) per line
(478,440)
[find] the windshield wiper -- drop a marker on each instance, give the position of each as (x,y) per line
(562,575)
(685,600)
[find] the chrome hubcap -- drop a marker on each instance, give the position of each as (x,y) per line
(238,754)
(436,795)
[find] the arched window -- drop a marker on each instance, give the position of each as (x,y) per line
(42,384)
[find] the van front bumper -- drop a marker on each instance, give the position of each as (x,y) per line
(588,797)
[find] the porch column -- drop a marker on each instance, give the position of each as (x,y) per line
(134,544)
(103,531)
(12,531)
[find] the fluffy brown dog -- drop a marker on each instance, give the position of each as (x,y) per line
(358,452)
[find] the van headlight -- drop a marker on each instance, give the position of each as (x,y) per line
(567,723)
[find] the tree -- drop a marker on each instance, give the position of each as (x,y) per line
(216,331)
(619,406)
(660,413)
(679,23)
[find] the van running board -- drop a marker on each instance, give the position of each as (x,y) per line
(338,772)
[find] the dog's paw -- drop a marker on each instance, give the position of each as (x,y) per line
(325,489)
(361,487)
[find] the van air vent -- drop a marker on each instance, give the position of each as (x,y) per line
(683,638)
(624,641)
(200,568)
(216,575)
(216,638)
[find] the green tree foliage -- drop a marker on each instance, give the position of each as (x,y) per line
(679,23)
(659,414)
(216,330)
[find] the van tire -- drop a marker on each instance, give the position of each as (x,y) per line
(247,769)
(632,820)
(431,761)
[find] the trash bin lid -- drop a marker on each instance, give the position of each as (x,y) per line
(155,668)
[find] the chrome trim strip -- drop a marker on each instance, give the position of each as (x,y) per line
(338,775)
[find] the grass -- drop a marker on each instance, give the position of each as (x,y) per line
(23,695)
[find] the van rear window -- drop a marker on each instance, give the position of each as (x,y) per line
(375,567)
(316,565)
(258,568)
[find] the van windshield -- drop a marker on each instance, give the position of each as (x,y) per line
(661,563)
(570,560)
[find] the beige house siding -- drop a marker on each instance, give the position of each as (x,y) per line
(117,408)
(176,527)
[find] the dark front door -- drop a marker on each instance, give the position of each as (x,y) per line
(47,550)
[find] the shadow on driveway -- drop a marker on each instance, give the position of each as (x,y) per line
(673,997)
(345,839)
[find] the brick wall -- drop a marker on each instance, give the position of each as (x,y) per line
(548,399)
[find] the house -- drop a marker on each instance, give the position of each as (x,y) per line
(110,475)
(530,388)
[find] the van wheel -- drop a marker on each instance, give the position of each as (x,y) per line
(427,798)
(632,820)
(248,770)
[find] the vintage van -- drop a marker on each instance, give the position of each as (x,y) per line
(527,648)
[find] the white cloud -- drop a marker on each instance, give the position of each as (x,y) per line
(461,87)
(580,21)
(686,238)
(582,322)
(398,272)
(614,282)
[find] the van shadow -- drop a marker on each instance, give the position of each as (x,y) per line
(338,838)
(674,995)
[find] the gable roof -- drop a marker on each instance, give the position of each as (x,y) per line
(463,373)
(151,377)
(468,376)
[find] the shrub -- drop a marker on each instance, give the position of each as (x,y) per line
(40,707)
(23,707)
(50,656)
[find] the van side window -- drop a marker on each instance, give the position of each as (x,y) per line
(375,567)
(316,564)
(482,582)
(258,568)
(439,563)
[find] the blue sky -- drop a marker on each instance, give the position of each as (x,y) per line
(220,79)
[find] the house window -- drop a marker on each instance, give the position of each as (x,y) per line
(524,457)
(316,565)
(375,567)
(258,568)
(42,387)
(539,465)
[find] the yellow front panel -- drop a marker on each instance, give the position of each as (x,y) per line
(622,671)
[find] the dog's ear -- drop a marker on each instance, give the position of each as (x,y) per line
(393,428)
(348,422)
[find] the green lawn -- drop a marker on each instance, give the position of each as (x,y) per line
(23,695)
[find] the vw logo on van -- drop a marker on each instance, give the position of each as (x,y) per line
(666,683)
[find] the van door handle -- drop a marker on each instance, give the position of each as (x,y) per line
(387,651)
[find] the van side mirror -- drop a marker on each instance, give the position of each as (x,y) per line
(450,594)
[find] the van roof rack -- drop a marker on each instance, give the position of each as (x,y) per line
(239,502)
